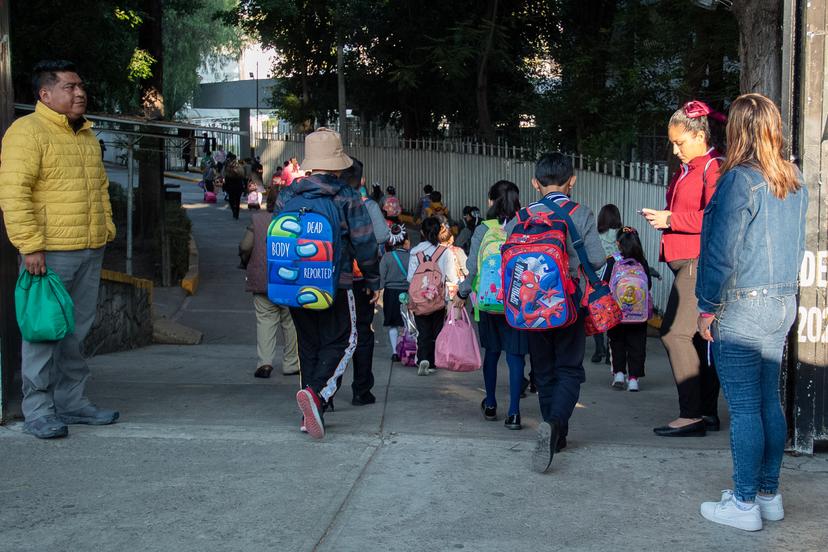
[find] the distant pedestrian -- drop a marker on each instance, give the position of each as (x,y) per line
(51,162)
(103,150)
(752,245)
(471,220)
(234,183)
(391,205)
(220,157)
(435,207)
(424,202)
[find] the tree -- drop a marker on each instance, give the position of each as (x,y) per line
(760,46)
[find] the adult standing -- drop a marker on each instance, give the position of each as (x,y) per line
(688,194)
(269,317)
(54,193)
(220,157)
(753,241)
(234,183)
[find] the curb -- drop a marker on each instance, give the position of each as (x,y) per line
(190,281)
(182,177)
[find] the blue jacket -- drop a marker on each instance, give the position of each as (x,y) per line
(752,242)
(358,241)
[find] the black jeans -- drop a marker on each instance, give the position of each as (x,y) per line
(558,363)
(428,327)
(234,188)
(364,354)
(696,379)
(628,343)
(327,339)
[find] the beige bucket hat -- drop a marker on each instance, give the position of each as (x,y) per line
(323,151)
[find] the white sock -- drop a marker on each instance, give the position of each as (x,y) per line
(744,506)
(766,498)
(393,335)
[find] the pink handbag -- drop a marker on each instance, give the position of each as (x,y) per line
(457,348)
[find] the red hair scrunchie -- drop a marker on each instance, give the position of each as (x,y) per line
(696,109)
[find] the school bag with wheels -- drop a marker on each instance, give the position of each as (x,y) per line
(537,288)
(209,197)
(304,246)
(488,284)
(629,286)
(603,313)
(427,290)
(254,199)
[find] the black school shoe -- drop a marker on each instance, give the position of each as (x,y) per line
(597,356)
(696,429)
(513,422)
(545,446)
(364,399)
(489,412)
(711,423)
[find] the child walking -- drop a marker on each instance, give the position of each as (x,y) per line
(628,276)
(496,335)
(394,281)
(609,222)
(431,272)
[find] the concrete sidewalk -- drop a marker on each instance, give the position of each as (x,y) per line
(208,458)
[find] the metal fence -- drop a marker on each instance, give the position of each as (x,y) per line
(464,176)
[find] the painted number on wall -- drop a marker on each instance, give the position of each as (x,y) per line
(813,321)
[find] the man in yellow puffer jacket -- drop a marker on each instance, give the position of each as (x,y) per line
(55,201)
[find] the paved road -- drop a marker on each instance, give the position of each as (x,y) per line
(209,458)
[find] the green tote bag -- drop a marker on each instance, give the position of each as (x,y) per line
(45,311)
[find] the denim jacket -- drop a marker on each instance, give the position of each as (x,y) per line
(752,242)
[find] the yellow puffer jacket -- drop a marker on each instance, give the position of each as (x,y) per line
(53,187)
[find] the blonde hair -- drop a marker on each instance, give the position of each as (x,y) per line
(698,124)
(754,137)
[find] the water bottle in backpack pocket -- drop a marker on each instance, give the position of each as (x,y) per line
(629,285)
(537,288)
(303,254)
(488,284)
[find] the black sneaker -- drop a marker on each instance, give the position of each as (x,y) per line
(395,357)
(561,444)
(364,399)
(523,387)
(489,412)
(513,422)
(597,356)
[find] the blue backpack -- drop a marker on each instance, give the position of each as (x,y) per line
(304,247)
(538,291)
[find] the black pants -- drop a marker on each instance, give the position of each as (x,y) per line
(696,379)
(327,339)
(364,354)
(558,363)
(628,344)
(234,187)
(428,327)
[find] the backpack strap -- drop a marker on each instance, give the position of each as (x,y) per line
(577,241)
(707,166)
(399,264)
(438,253)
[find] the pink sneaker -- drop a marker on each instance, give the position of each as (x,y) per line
(311,408)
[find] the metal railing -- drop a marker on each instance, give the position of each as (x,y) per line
(464,175)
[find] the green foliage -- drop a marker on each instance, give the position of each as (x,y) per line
(140,66)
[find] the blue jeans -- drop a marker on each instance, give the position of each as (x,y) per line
(748,341)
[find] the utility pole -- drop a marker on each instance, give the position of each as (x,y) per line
(10,341)
(340,81)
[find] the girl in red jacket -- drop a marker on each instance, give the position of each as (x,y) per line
(689,192)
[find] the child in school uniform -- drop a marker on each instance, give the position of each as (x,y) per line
(394,281)
(628,275)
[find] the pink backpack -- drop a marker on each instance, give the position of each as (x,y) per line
(427,289)
(209,197)
(392,207)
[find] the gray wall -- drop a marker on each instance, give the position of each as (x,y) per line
(124,317)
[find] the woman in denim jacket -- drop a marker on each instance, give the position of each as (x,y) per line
(753,241)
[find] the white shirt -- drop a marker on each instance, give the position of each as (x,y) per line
(445,262)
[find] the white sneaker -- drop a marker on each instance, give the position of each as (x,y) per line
(618,380)
(632,385)
(423,368)
(770,508)
(727,512)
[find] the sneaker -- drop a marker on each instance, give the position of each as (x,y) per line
(311,408)
(395,357)
(632,385)
(770,509)
(46,427)
(423,368)
(90,415)
(489,412)
(597,357)
(545,447)
(364,399)
(618,381)
(302,427)
(728,512)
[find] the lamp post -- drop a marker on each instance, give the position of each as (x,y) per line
(252,149)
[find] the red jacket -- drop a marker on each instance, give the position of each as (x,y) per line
(687,196)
